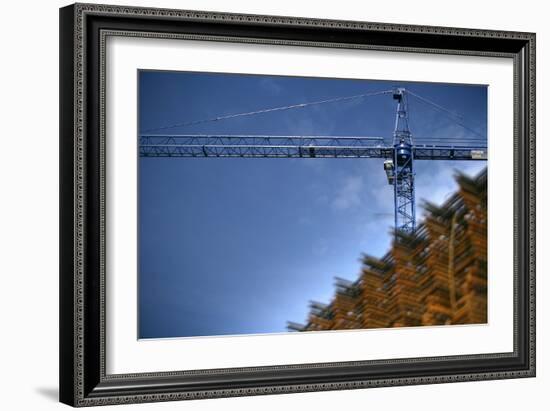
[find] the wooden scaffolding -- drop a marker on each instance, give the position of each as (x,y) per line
(437,276)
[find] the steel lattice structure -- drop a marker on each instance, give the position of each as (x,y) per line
(400,154)
(400,169)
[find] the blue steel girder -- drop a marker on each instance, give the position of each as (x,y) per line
(295,147)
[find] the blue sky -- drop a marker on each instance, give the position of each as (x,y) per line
(239,246)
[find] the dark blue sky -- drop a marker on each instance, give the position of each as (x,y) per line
(239,246)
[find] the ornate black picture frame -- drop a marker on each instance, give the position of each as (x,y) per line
(83,379)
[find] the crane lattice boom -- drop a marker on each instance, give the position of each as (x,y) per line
(202,145)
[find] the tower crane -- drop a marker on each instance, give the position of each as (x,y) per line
(399,156)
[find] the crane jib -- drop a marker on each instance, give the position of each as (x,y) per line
(153,149)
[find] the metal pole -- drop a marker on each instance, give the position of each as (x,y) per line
(451,268)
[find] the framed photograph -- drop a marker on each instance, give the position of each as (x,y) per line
(261,204)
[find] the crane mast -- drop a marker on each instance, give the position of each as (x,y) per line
(399,169)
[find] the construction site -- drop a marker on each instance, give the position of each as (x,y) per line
(435,272)
(434,276)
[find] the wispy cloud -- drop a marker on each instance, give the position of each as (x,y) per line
(271,85)
(305,220)
(320,247)
(349,194)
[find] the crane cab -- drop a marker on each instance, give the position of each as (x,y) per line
(390,171)
(404,153)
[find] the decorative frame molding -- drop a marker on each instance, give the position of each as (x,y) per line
(83,32)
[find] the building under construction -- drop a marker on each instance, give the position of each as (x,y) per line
(435,276)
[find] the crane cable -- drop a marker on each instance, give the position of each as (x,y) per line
(453,116)
(268,110)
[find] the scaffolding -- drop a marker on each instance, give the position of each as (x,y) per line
(434,276)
